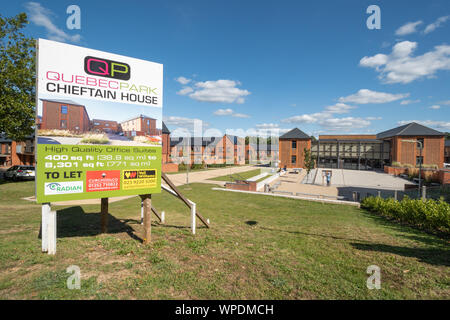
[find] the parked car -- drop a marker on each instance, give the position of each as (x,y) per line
(20,173)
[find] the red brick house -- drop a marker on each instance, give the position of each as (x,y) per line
(64,115)
(107,126)
(140,126)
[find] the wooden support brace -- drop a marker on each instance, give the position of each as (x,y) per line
(183,198)
(156,214)
(147,204)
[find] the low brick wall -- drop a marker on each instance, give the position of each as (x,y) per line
(241,185)
(442,176)
(169,167)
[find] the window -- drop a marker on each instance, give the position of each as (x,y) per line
(294,144)
(148,122)
(419,160)
(419,143)
(294,159)
(106,124)
(96,123)
(64,109)
(63,124)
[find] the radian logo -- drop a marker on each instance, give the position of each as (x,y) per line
(63,187)
(106,68)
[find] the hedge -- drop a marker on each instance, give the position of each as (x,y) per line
(433,215)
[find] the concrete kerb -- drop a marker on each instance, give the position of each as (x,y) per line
(349,203)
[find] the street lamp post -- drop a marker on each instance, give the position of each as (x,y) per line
(420,161)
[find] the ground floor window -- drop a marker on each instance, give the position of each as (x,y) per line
(294,159)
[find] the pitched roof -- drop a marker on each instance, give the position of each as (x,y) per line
(63,101)
(410,129)
(141,116)
(195,141)
(295,133)
(165,130)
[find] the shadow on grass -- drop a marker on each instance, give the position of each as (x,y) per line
(440,257)
(311,234)
(74,222)
(410,232)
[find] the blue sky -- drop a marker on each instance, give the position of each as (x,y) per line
(262,64)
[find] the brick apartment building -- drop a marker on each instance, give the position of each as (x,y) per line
(107,126)
(140,126)
(64,115)
(211,150)
(366,151)
(14,153)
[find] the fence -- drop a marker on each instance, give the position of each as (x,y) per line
(427,192)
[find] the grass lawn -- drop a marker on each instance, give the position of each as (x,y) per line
(258,247)
(241,175)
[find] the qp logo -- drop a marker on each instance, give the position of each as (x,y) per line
(106,68)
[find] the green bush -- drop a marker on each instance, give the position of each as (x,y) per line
(430,214)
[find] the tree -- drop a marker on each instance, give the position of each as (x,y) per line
(17,79)
(308,160)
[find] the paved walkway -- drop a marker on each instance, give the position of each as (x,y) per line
(203,176)
(292,182)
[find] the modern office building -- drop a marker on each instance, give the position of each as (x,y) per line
(365,152)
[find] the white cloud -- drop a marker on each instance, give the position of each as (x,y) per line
(344,124)
(374,118)
(240,115)
(266,126)
(406,102)
(438,125)
(189,124)
(435,107)
(223,112)
(326,121)
(433,26)
(401,67)
(185,91)
(224,91)
(408,28)
(447,102)
(365,96)
(41,16)
(230,112)
(306,118)
(339,108)
(183,80)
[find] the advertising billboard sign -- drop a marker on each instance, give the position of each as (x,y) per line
(98,124)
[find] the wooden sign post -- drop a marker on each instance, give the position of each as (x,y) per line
(147,204)
(104,215)
(48,229)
